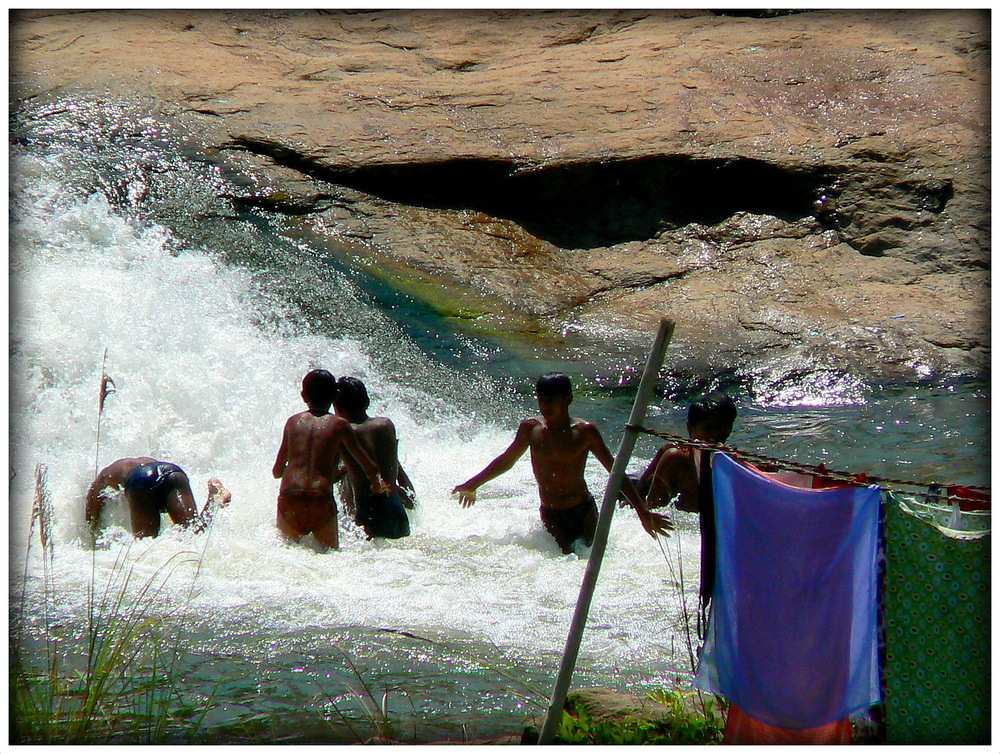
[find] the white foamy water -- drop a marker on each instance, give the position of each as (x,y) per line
(201,382)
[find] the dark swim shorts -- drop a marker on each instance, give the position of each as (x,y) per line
(568,525)
(383,515)
(150,476)
(307,510)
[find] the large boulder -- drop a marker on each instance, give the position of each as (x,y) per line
(809,191)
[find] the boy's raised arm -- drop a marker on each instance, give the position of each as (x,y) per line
(467,490)
(653,523)
(218,497)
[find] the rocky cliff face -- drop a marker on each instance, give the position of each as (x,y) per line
(803,192)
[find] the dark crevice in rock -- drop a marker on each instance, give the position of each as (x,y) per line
(583,205)
(285,205)
(759,13)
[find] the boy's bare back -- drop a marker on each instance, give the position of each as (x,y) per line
(675,473)
(377,436)
(310,451)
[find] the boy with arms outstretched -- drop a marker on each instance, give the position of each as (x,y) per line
(559,447)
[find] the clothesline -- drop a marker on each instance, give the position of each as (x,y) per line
(859,479)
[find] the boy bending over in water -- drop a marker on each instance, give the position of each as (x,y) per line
(308,461)
(559,447)
(152,487)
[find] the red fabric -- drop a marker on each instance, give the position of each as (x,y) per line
(980,500)
(743,729)
(821,482)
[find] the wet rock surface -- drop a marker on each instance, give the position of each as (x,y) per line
(804,192)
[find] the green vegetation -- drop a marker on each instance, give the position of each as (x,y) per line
(450,302)
(681,717)
(675,723)
(458,305)
(117,685)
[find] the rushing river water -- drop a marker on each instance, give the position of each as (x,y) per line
(210,317)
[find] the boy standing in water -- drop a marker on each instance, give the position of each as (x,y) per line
(687,473)
(676,469)
(381,514)
(559,447)
(152,487)
(308,460)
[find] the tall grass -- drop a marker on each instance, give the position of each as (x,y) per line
(116,682)
(675,568)
(376,709)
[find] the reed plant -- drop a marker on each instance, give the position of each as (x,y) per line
(116,683)
(375,706)
(691,620)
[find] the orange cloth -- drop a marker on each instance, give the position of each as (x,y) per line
(743,729)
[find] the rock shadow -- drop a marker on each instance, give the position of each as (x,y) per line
(590,204)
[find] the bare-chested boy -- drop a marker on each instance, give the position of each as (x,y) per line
(682,473)
(559,447)
(308,462)
(152,487)
(380,514)
(675,470)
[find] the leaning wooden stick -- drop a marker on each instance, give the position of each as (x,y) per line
(643,395)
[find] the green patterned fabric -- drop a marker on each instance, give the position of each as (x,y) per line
(937,626)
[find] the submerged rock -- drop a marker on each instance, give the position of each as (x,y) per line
(804,188)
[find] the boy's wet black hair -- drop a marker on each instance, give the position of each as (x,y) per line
(718,405)
(352,395)
(553,383)
(319,388)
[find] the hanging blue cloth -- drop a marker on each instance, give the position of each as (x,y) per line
(792,633)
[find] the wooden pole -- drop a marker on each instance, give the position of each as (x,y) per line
(611,493)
